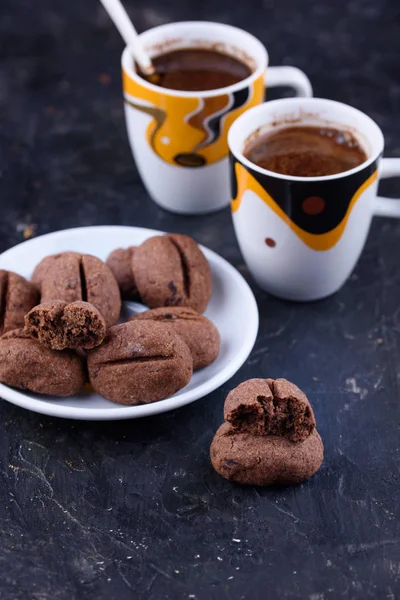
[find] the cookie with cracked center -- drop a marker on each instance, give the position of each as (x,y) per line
(270,407)
(60,325)
(28,365)
(17,297)
(200,335)
(269,435)
(71,277)
(139,362)
(171,270)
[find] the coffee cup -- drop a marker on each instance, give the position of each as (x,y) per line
(301,237)
(179,138)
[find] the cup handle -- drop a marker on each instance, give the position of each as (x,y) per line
(388,207)
(292,77)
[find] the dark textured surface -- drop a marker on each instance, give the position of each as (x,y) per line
(134,509)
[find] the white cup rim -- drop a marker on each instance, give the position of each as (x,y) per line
(127,60)
(242,120)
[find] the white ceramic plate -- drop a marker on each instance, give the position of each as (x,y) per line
(232,308)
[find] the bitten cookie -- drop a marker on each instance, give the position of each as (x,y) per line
(17,296)
(120,263)
(59,325)
(171,270)
(269,435)
(140,362)
(200,335)
(264,460)
(71,276)
(27,365)
(268,407)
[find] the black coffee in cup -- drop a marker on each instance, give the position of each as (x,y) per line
(198,69)
(306,151)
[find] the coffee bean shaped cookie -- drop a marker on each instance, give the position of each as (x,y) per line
(171,270)
(27,365)
(17,296)
(200,335)
(71,276)
(139,362)
(270,407)
(120,263)
(60,325)
(265,460)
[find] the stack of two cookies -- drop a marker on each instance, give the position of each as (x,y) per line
(269,435)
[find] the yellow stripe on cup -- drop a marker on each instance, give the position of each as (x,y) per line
(189,131)
(315,241)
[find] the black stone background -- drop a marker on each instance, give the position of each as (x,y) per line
(133,509)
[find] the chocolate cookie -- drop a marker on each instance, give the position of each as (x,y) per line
(120,263)
(200,335)
(268,407)
(59,325)
(26,364)
(17,296)
(139,362)
(171,270)
(269,435)
(71,276)
(265,460)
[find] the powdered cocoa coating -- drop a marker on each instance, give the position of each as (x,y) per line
(200,335)
(265,460)
(171,270)
(59,325)
(270,407)
(41,269)
(58,277)
(17,296)
(120,263)
(140,362)
(27,365)
(71,276)
(101,288)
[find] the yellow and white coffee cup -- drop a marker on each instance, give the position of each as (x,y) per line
(178,138)
(301,237)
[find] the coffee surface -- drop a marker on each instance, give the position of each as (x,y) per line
(192,70)
(306,151)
